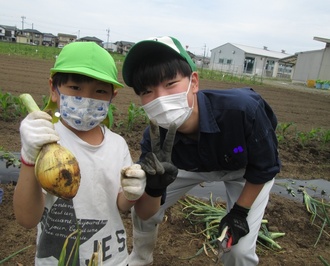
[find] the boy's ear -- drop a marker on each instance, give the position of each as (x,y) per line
(52,91)
(51,106)
(114,94)
(51,87)
(194,82)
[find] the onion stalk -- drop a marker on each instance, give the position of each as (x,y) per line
(207,215)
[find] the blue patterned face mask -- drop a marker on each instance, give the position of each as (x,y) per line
(81,113)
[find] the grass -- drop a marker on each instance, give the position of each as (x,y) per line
(38,51)
(210,74)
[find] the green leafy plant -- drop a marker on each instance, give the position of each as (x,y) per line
(281,130)
(6,101)
(305,137)
(9,158)
(111,111)
(326,136)
(10,107)
(135,112)
(314,133)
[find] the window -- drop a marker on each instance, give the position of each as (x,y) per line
(229,61)
(221,60)
(249,64)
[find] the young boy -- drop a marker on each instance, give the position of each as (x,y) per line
(83,83)
(223,135)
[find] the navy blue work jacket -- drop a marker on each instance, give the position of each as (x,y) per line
(236,130)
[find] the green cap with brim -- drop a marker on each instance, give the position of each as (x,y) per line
(88,59)
(152,46)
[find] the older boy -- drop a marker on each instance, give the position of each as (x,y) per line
(223,135)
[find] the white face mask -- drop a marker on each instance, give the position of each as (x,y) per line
(170,108)
(81,113)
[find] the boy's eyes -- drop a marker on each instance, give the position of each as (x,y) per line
(100,91)
(165,84)
(171,83)
(75,88)
(144,92)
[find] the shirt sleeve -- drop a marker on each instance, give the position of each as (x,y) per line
(145,144)
(263,161)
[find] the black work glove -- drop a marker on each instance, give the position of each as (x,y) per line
(157,164)
(236,222)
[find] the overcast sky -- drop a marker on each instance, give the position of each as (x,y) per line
(202,25)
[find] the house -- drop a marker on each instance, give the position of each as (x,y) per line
(310,65)
(200,61)
(90,39)
(29,36)
(49,39)
(241,59)
(63,39)
(109,46)
(123,47)
(8,33)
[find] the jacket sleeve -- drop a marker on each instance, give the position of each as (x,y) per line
(263,160)
(145,144)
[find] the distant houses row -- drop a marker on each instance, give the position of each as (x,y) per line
(35,37)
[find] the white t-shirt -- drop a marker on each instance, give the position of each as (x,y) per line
(94,207)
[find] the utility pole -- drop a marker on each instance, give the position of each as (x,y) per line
(23,22)
(204,52)
(203,57)
(108,34)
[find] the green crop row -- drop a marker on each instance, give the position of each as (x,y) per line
(11,109)
(283,130)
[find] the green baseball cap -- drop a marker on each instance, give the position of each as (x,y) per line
(88,59)
(154,45)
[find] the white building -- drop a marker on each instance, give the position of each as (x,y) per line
(310,65)
(241,59)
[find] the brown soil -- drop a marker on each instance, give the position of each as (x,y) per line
(307,108)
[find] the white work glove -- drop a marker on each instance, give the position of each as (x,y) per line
(36,130)
(133,182)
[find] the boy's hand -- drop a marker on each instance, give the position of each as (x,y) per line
(157,164)
(236,221)
(36,130)
(133,182)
